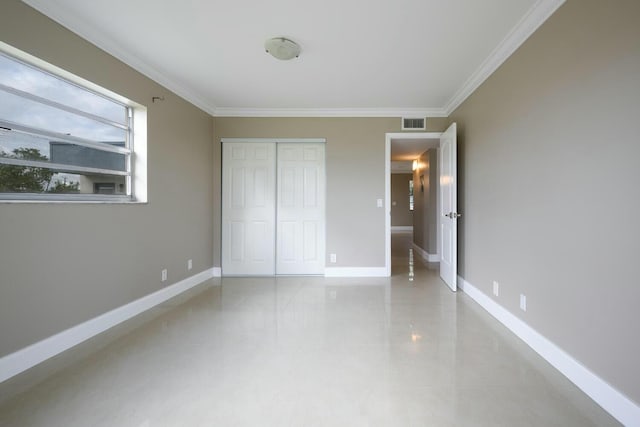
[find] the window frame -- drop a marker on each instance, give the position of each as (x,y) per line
(134,126)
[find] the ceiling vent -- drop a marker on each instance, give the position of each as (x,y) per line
(412,123)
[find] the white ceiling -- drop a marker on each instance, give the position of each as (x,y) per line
(359,57)
(410,149)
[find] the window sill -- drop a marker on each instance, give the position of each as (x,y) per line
(72,202)
(75,200)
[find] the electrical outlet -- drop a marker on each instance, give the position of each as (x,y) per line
(496,288)
(164,275)
(189,264)
(333,258)
(523,302)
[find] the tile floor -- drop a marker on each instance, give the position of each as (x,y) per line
(306,351)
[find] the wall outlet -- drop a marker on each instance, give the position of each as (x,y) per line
(189,264)
(164,275)
(496,288)
(523,302)
(333,258)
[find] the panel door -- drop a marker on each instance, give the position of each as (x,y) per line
(300,241)
(448,207)
(248,208)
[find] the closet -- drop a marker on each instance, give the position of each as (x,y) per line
(273,207)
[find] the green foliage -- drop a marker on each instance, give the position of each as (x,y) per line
(24,179)
(63,187)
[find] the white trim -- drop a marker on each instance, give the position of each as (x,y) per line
(217,271)
(355,272)
(387,204)
(413,135)
(23,359)
(426,255)
(529,23)
(329,112)
(84,30)
(439,206)
(387,186)
(537,15)
(614,402)
(276,140)
(401,228)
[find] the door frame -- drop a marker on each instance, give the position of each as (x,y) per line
(387,187)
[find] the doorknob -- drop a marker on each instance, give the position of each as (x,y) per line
(453,215)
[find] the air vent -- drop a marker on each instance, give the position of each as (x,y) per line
(414,123)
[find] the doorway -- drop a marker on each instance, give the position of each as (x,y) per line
(444,184)
(408,148)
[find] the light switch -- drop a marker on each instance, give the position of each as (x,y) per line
(379,202)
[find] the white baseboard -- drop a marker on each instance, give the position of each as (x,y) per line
(426,255)
(614,402)
(21,360)
(355,272)
(217,271)
(401,228)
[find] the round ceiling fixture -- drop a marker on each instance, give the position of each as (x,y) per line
(282,48)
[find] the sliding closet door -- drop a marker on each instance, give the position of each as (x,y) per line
(248,208)
(300,211)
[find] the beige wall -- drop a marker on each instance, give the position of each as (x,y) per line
(548,151)
(62,264)
(425,225)
(355,177)
(548,160)
(400,213)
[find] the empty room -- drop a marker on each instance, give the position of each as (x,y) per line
(337,213)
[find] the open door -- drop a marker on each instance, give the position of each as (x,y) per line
(448,208)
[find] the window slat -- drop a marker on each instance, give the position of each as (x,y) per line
(61,167)
(39,197)
(64,138)
(63,107)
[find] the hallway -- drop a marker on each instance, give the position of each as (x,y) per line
(308,351)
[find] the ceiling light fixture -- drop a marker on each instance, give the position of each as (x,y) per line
(281,48)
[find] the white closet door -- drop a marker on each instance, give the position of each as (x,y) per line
(248,209)
(300,226)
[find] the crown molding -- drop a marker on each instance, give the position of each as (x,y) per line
(529,23)
(329,112)
(85,31)
(537,15)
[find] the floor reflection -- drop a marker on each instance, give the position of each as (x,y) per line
(405,260)
(302,351)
